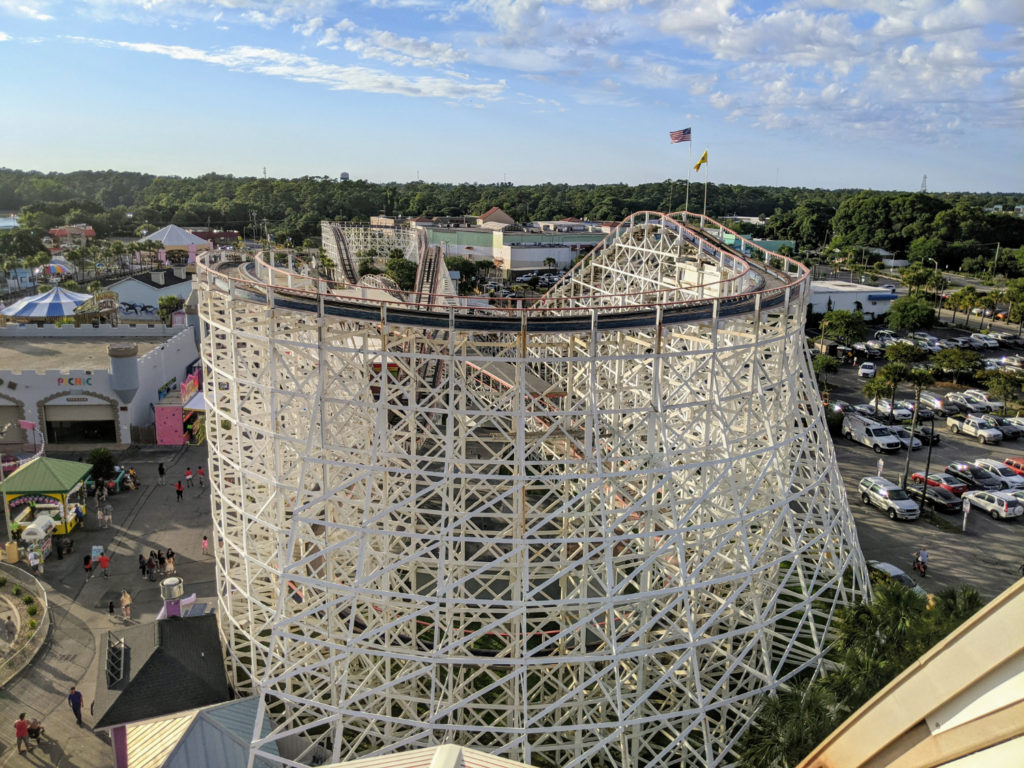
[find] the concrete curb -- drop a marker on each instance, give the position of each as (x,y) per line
(22,657)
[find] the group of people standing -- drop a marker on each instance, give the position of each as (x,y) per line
(189,481)
(158,563)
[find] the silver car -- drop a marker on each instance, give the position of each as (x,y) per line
(999,504)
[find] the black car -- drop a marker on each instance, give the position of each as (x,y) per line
(975,478)
(925,434)
(935,498)
(1010,430)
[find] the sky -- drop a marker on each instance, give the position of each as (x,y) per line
(817,93)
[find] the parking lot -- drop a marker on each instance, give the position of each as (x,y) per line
(988,556)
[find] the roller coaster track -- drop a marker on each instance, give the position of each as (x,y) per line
(767,286)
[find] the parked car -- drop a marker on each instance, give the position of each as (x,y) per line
(898,575)
(975,478)
(935,498)
(906,439)
(1016,463)
(923,336)
(938,404)
(923,413)
(969,403)
(926,434)
(886,407)
(941,480)
(867,370)
(948,343)
(1010,430)
(1001,506)
(888,497)
(985,341)
(982,395)
(870,433)
(884,333)
(1011,480)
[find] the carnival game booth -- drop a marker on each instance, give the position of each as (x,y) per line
(181,414)
(46,498)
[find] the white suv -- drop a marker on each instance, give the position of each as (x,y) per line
(1011,480)
(999,504)
(888,497)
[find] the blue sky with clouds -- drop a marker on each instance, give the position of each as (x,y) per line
(824,93)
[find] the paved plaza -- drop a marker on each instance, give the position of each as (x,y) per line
(148,518)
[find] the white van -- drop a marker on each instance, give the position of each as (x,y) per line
(870,433)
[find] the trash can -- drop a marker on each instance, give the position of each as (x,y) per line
(12,552)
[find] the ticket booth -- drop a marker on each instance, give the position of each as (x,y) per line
(46,488)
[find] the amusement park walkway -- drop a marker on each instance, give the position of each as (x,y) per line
(146,519)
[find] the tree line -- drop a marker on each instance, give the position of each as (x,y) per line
(950,227)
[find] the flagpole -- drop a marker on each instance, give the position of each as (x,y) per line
(704,221)
(686,205)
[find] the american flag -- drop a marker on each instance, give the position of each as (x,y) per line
(678,136)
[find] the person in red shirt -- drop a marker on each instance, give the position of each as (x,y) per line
(179,489)
(200,473)
(21,733)
(105,565)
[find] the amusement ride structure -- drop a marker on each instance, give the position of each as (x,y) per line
(591,528)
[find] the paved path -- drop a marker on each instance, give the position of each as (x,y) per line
(145,519)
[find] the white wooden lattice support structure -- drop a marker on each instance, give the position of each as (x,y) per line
(590,532)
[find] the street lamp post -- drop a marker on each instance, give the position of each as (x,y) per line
(3,491)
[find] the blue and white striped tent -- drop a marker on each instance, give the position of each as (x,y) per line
(56,303)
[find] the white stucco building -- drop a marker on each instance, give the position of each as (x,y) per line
(872,300)
(87,385)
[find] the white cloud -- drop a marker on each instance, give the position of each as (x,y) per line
(333,34)
(306,69)
(402,51)
(4,36)
(30,10)
(308,27)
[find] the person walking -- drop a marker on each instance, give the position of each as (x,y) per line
(188,477)
(36,730)
(206,545)
(126,605)
(161,560)
(10,630)
(171,570)
(200,474)
(87,565)
(142,566)
(105,565)
(160,472)
(21,732)
(151,568)
(75,702)
(179,489)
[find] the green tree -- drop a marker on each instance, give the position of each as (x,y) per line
(1002,385)
(893,374)
(402,271)
(845,326)
(875,390)
(956,361)
(904,352)
(102,463)
(824,366)
(910,313)
(168,305)
(914,277)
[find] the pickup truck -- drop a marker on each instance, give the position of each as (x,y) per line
(980,427)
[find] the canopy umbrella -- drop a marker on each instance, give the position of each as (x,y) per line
(53,268)
(55,303)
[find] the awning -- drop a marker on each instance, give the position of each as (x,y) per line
(196,403)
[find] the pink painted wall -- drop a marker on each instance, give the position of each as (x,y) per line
(119,741)
(169,429)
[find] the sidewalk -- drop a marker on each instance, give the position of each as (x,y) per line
(145,519)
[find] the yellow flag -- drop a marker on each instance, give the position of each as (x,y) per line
(703,159)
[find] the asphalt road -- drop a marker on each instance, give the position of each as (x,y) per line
(988,556)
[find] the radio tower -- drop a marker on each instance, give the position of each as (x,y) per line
(924,183)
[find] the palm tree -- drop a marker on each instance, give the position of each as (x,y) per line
(893,374)
(875,390)
(919,379)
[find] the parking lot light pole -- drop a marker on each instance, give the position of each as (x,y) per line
(3,491)
(928,461)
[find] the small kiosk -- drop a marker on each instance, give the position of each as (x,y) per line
(180,415)
(46,498)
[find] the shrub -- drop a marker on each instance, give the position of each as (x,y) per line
(32,623)
(102,463)
(3,581)
(32,610)
(16,590)
(28,599)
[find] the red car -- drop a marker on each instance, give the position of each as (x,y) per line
(1016,464)
(941,480)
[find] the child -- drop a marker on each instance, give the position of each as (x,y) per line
(87,565)
(206,545)
(188,477)
(200,473)
(179,489)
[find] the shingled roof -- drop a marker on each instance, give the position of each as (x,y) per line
(157,669)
